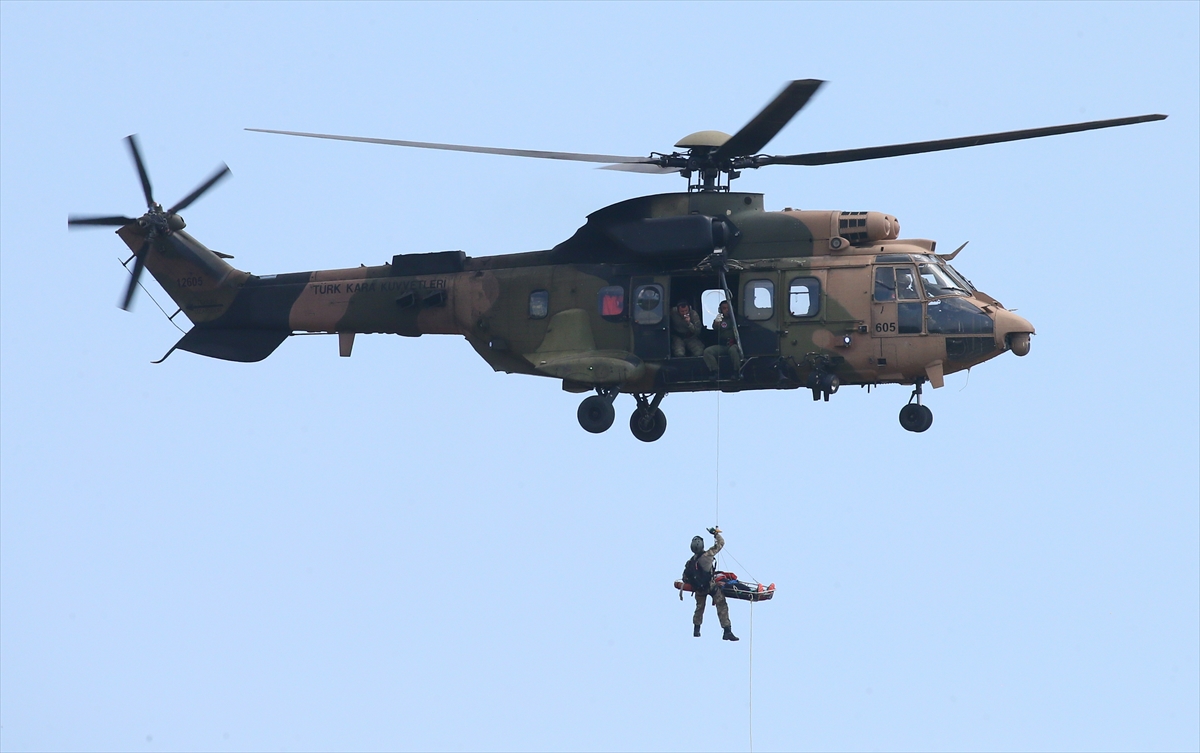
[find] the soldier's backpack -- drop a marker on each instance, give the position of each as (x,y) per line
(700,580)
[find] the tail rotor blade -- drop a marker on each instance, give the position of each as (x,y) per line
(212,181)
(141,168)
(85,220)
(138,266)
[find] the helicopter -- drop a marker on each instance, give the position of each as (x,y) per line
(791,299)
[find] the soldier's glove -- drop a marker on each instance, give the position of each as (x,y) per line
(714,530)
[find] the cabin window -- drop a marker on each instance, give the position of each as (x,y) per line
(804,296)
(539,304)
(759,300)
(648,304)
(612,300)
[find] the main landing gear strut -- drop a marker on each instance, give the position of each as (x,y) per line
(914,416)
(596,414)
(648,421)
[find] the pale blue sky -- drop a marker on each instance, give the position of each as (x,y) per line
(405,551)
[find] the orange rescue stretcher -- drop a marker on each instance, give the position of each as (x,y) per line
(734,588)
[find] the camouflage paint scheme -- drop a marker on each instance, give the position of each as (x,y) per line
(819,298)
(654,240)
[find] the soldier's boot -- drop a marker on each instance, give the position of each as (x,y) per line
(695,631)
(729,636)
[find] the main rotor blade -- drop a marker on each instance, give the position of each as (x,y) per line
(141,168)
(770,120)
(643,167)
(76,220)
(920,147)
(136,275)
(212,181)
(460,148)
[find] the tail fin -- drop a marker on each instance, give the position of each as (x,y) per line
(200,282)
(204,286)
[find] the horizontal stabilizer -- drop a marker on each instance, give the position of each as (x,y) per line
(245,345)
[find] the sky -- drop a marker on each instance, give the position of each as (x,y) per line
(404,550)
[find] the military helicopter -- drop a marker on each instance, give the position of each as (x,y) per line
(817,299)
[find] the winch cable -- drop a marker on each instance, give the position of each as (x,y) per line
(716,524)
(750,688)
(717,465)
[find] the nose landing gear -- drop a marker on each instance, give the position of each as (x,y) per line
(914,416)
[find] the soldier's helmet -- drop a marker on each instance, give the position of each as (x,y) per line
(697,545)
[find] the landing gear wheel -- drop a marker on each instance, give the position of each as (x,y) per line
(596,414)
(648,426)
(915,417)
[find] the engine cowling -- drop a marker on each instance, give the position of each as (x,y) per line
(857,228)
(867,227)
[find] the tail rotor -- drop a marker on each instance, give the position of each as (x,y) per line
(155,224)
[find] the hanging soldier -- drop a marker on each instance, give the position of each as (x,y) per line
(700,574)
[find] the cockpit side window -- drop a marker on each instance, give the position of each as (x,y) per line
(885,283)
(906,285)
(893,283)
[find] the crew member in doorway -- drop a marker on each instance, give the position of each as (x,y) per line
(699,574)
(685,330)
(726,341)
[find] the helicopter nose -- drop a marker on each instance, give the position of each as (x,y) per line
(1013,332)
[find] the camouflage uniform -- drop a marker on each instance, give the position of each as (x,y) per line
(706,563)
(726,345)
(684,333)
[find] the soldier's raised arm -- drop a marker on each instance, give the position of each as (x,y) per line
(718,542)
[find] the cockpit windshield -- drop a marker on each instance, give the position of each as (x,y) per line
(957,277)
(938,282)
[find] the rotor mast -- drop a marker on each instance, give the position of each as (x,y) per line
(698,165)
